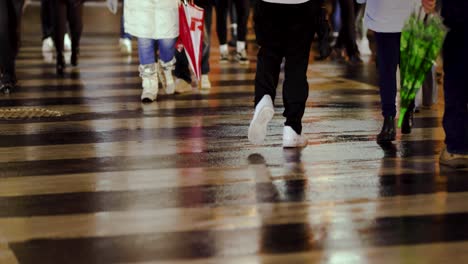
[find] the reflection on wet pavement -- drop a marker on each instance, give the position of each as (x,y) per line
(176,181)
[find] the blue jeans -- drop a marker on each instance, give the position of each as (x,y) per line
(455,90)
(147,47)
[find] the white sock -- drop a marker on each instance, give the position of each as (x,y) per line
(223,49)
(240,46)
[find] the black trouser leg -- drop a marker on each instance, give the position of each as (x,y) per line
(456,90)
(347,37)
(242,11)
(60,25)
(74,15)
(47,18)
(388,56)
(182,70)
(295,86)
(268,69)
(289,38)
(10,23)
(221,20)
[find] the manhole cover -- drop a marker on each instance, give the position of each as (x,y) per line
(27,113)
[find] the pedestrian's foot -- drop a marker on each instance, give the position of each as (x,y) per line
(264,112)
(125,46)
(182,86)
(457,161)
(241,57)
(224,58)
(7,87)
(205,82)
(74,58)
(293,140)
(388,132)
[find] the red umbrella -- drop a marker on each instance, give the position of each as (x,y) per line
(191,25)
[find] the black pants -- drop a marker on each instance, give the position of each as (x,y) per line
(10,22)
(388,55)
(456,90)
(347,35)
(71,11)
(47,18)
(285,31)
(242,11)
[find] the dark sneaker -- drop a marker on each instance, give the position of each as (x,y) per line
(457,161)
(241,57)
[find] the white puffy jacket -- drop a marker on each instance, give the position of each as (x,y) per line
(154,19)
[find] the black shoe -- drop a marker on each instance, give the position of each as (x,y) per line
(7,87)
(60,67)
(74,58)
(407,122)
(388,132)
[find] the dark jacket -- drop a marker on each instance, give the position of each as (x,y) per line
(455,13)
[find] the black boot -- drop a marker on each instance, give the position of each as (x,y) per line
(7,83)
(60,67)
(407,122)
(74,58)
(388,132)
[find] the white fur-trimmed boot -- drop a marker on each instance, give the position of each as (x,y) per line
(168,67)
(149,76)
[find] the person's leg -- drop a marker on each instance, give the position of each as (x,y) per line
(271,52)
(168,61)
(75,20)
(10,18)
(221,20)
(146,49)
(123,34)
(148,69)
(295,86)
(60,22)
(456,91)
(388,55)
(242,11)
(47,18)
(208,7)
(348,29)
(269,60)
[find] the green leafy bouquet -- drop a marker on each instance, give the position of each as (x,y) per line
(421,42)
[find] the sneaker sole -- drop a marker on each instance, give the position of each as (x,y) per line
(258,126)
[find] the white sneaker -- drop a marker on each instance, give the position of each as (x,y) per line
(181,86)
(205,82)
(67,45)
(47,45)
(125,46)
(149,76)
(292,140)
(264,112)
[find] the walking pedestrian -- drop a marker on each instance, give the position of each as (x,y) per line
(284,31)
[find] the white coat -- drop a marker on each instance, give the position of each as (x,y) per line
(154,19)
(388,16)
